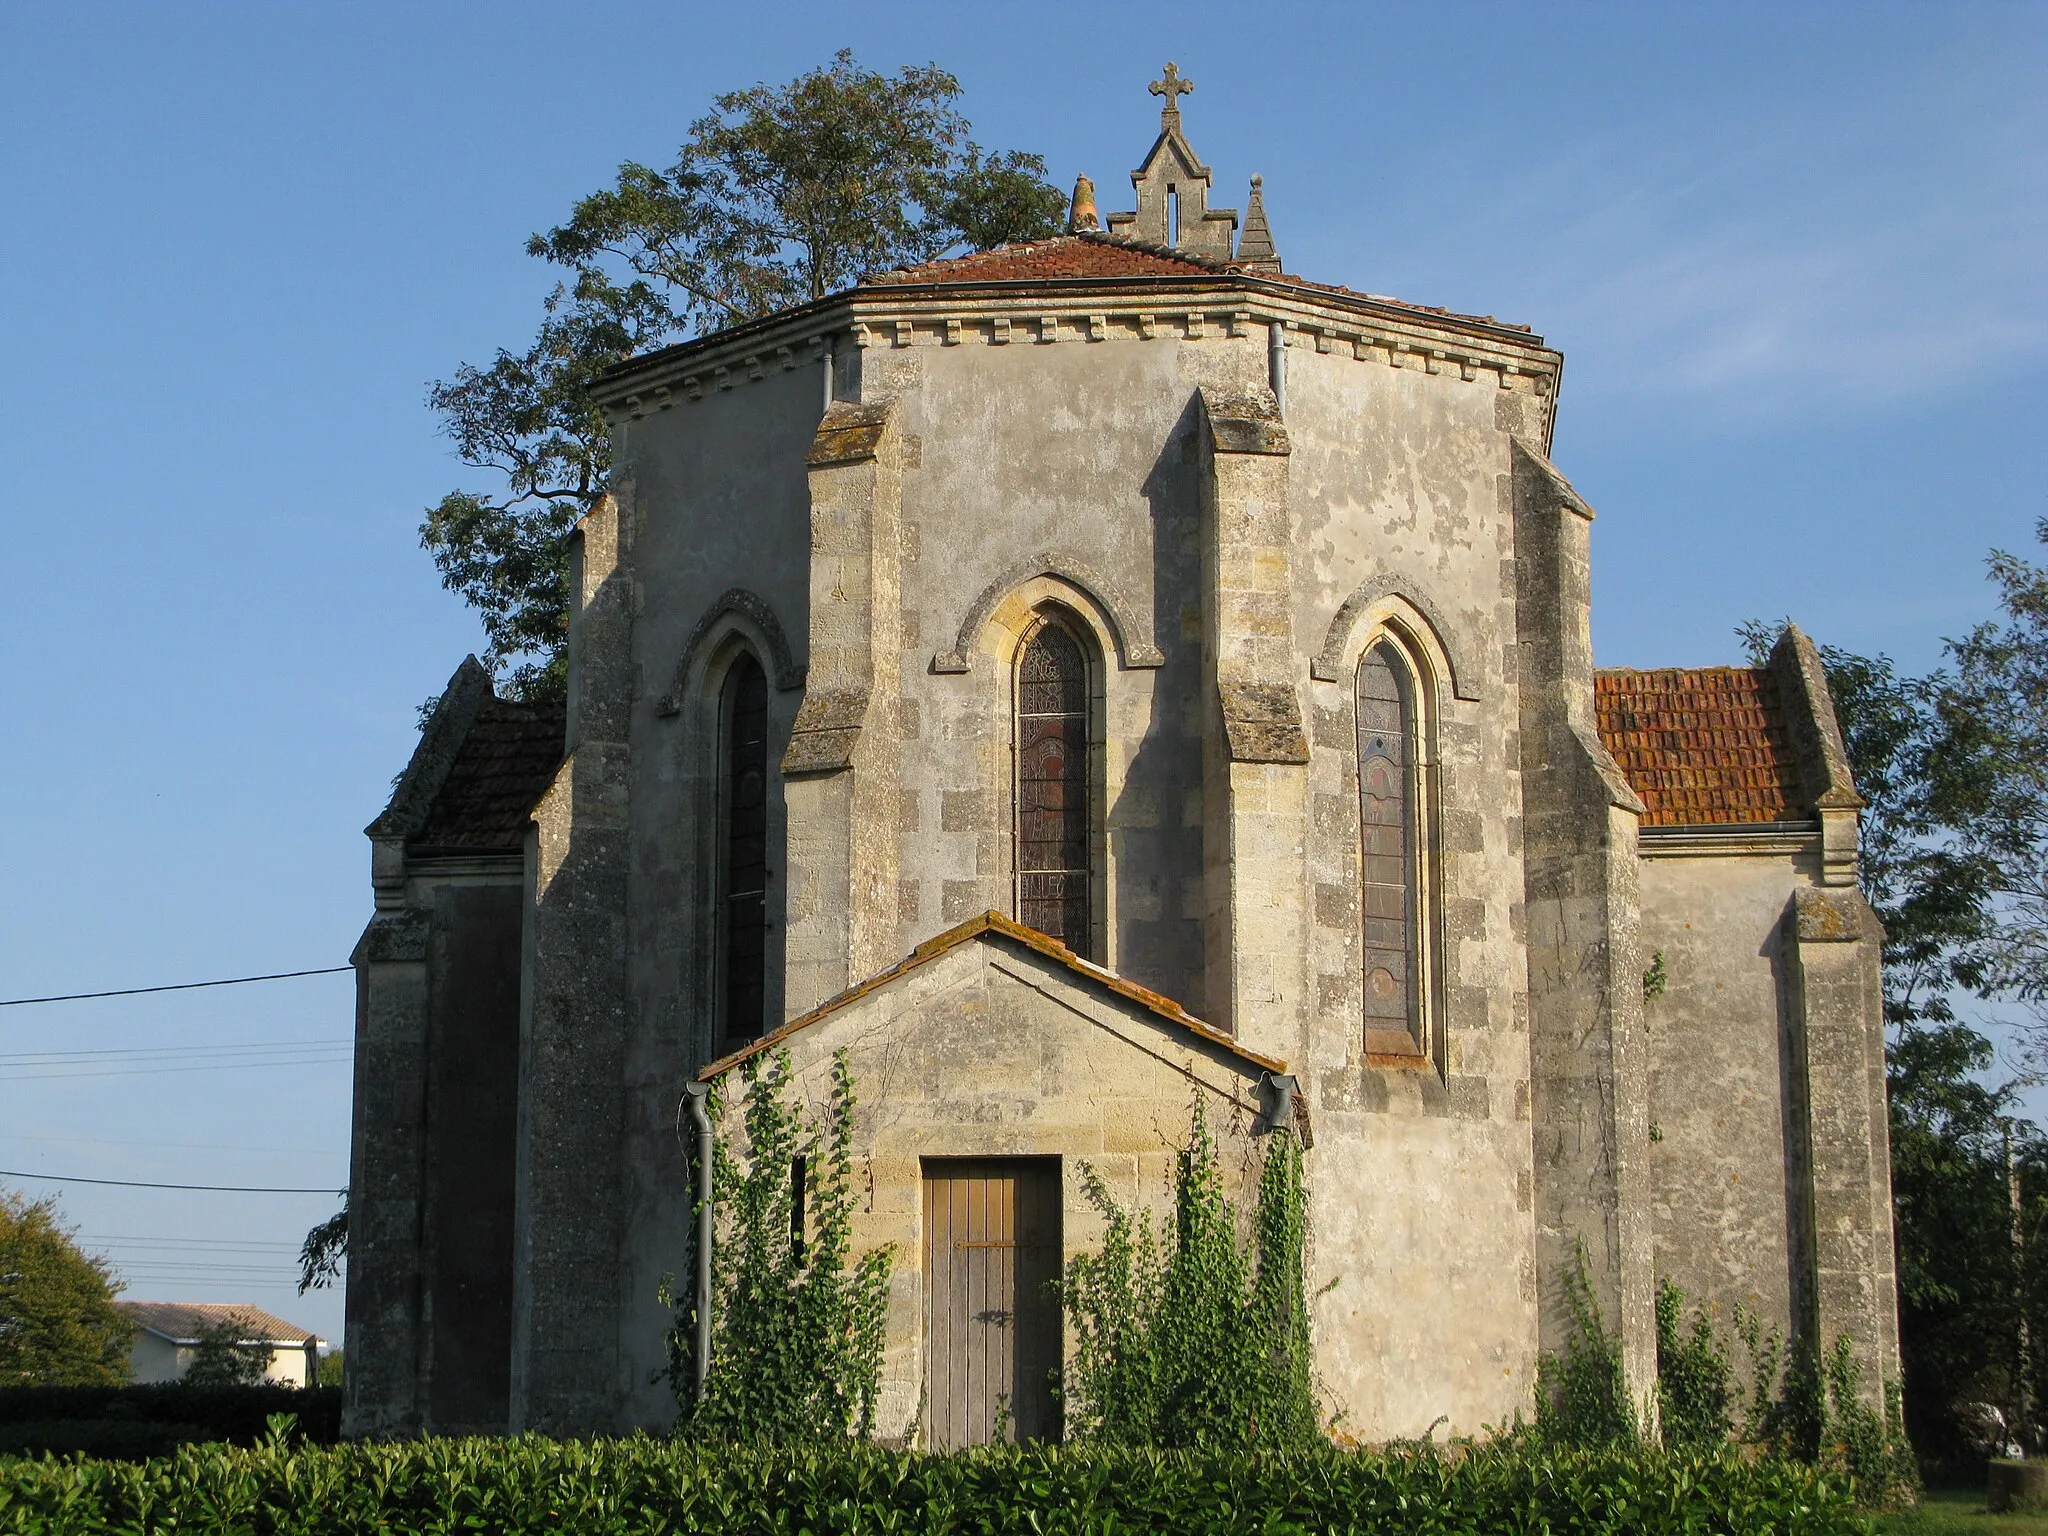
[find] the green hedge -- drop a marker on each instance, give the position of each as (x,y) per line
(135,1422)
(613,1487)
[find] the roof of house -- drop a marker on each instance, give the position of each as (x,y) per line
(1702,746)
(1003,928)
(1092,254)
(1084,255)
(504,765)
(184,1322)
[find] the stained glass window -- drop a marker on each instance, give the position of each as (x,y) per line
(1053,833)
(1387,759)
(745,803)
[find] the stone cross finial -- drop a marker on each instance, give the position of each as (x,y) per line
(1171,87)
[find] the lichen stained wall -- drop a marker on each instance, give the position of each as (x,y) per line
(1082,450)
(1725,1163)
(716,492)
(991,1051)
(1421,1178)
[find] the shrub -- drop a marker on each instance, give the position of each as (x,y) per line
(1692,1375)
(1581,1392)
(221,1359)
(137,1422)
(624,1487)
(1206,1345)
(1867,1445)
(796,1348)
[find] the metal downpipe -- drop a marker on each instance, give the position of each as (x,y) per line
(699,1095)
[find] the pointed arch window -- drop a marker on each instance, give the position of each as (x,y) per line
(743,832)
(1394,824)
(1054,822)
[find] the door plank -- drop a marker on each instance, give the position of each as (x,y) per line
(992,1323)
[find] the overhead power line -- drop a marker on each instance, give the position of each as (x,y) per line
(129,1061)
(219,1189)
(176,986)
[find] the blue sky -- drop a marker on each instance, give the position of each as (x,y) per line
(1793,256)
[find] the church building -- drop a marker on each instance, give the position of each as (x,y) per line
(1083,681)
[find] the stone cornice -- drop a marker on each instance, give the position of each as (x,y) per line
(1732,840)
(1044,311)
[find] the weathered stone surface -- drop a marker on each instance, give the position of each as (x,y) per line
(1113,448)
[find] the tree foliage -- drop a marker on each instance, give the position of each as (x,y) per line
(59,1326)
(1955,861)
(780,195)
(796,1330)
(325,1251)
(1204,1345)
(1994,714)
(222,1359)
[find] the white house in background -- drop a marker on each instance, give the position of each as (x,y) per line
(168,1333)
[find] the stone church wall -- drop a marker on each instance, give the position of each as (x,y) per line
(718,503)
(991,1051)
(1083,452)
(1724,1159)
(1423,1181)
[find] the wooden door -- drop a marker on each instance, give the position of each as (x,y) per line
(992,1323)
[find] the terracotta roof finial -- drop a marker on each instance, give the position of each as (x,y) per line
(1084,216)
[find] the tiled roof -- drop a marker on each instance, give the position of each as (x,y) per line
(1701,745)
(994,922)
(505,764)
(183,1322)
(1101,255)
(1059,256)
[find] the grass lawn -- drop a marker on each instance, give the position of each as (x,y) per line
(1958,1512)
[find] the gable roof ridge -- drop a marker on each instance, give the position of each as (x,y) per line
(993,922)
(440,740)
(183,1322)
(1153,248)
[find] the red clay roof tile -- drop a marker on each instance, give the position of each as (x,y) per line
(1100,255)
(1702,746)
(1060,256)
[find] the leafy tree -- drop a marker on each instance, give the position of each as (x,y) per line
(1959,1306)
(324,1251)
(221,1359)
(1953,862)
(1994,715)
(780,195)
(330,1371)
(59,1326)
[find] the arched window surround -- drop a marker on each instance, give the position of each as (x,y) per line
(1055,694)
(741,863)
(1396,630)
(997,648)
(698,765)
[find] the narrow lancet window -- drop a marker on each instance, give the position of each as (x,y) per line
(745,806)
(1388,786)
(1053,831)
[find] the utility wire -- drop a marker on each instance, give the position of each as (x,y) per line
(220,1189)
(151,1053)
(178,986)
